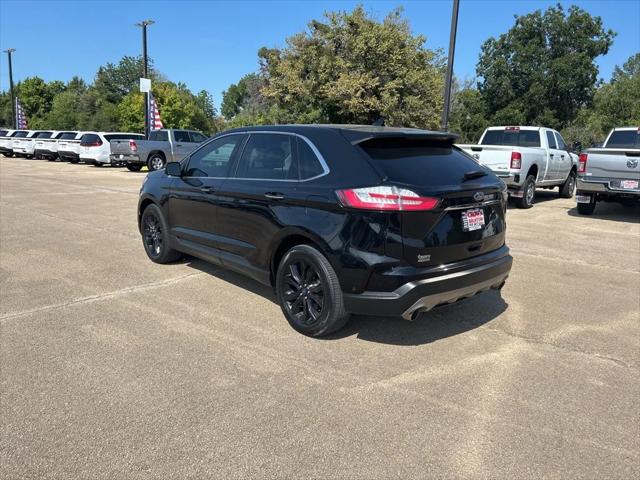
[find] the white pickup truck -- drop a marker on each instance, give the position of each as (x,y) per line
(526,158)
(610,173)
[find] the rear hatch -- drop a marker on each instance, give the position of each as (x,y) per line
(68,143)
(469,216)
(41,140)
(19,140)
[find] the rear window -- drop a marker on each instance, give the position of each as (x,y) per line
(418,161)
(21,134)
(44,135)
(90,139)
(624,139)
(3,133)
(159,136)
(62,134)
(68,136)
(124,136)
(514,138)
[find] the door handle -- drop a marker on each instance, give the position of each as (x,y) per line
(274,195)
(207,189)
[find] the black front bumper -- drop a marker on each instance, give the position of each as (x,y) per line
(450,284)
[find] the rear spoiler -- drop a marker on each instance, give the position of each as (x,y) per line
(358,137)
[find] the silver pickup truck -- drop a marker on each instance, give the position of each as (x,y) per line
(526,158)
(163,146)
(610,173)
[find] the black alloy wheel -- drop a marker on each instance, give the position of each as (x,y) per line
(303,292)
(154,236)
(309,293)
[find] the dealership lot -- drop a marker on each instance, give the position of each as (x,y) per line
(113,366)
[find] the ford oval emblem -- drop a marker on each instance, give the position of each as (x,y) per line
(478,196)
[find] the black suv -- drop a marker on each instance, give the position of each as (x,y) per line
(339,219)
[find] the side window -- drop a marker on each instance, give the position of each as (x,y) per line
(308,162)
(268,156)
(181,136)
(214,159)
(561,144)
(197,137)
(551,139)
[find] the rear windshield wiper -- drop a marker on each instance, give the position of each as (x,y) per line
(474,174)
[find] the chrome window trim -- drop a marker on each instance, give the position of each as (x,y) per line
(316,152)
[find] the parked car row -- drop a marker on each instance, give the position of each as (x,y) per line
(97,147)
(526,158)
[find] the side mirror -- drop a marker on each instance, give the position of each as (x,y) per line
(173,169)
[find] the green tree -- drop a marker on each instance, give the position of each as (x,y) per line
(542,71)
(36,97)
(113,82)
(351,69)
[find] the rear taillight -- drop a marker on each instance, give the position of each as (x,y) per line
(133,146)
(385,198)
(582,163)
(94,144)
(516,160)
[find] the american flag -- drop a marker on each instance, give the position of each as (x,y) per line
(21,117)
(155,123)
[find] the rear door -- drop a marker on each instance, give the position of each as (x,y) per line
(469,219)
(182,144)
(565,163)
(262,186)
(194,197)
(553,156)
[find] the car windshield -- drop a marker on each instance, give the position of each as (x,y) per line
(624,139)
(513,138)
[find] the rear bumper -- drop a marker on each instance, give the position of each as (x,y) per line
(6,150)
(125,158)
(420,295)
(603,186)
(68,155)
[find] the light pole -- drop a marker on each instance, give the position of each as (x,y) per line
(13,98)
(449,78)
(144,24)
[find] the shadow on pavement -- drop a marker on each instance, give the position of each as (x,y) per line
(437,324)
(615,212)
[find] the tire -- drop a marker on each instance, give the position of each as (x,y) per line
(568,187)
(134,167)
(74,160)
(156,162)
(155,237)
(97,164)
(587,208)
(309,293)
(528,194)
(8,154)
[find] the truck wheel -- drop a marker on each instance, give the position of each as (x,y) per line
(309,293)
(528,193)
(134,167)
(74,160)
(8,154)
(155,162)
(587,208)
(569,185)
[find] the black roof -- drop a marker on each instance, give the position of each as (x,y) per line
(358,133)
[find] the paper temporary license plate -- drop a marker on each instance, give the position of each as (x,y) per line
(472,219)
(629,184)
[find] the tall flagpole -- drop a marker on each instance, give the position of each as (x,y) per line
(13,97)
(452,49)
(144,24)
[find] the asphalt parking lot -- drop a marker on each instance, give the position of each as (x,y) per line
(115,367)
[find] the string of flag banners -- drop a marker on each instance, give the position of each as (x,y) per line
(21,117)
(155,122)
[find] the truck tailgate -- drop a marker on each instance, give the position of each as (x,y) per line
(121,146)
(618,163)
(495,157)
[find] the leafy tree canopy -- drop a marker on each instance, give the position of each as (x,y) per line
(542,71)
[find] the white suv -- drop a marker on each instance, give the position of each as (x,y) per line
(95,147)
(23,143)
